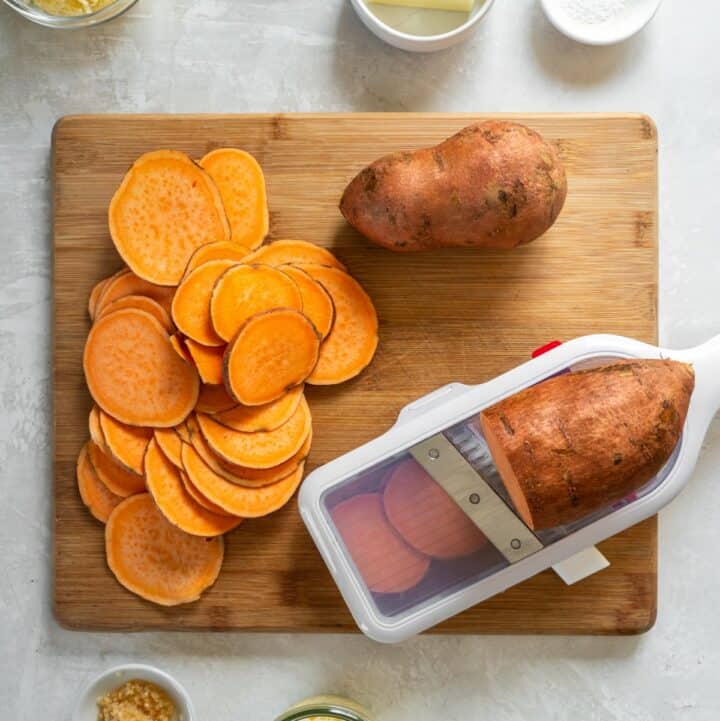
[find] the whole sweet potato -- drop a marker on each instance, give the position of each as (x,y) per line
(492,185)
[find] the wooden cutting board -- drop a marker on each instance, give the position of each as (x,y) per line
(444,316)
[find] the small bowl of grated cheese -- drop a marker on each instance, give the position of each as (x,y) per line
(600,22)
(70,14)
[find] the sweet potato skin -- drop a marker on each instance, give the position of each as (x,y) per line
(579,442)
(492,185)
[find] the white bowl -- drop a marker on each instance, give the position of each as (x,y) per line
(627,22)
(421,43)
(86,707)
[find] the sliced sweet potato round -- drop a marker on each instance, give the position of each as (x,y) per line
(134,374)
(165,208)
(166,488)
(214,399)
(127,283)
(352,342)
(272,353)
(96,435)
(126,444)
(246,290)
(170,444)
(317,303)
(98,498)
(156,560)
(141,302)
(427,518)
(235,499)
(191,304)
(241,183)
(199,498)
(385,562)
(268,417)
(98,290)
(242,475)
(118,479)
(182,430)
(180,347)
(281,252)
(208,360)
(219,250)
(258,450)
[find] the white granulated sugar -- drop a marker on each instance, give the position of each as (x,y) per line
(593,12)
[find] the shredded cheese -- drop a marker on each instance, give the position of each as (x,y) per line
(71,7)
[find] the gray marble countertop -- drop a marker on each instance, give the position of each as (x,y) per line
(305,55)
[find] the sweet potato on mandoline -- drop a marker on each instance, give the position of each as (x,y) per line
(118,479)
(219,250)
(351,345)
(244,291)
(170,444)
(214,399)
(240,180)
(385,562)
(242,475)
(155,560)
(272,353)
(127,283)
(492,185)
(199,498)
(134,374)
(98,498)
(316,301)
(166,207)
(268,417)
(166,488)
(191,304)
(258,450)
(235,499)
(426,517)
(579,442)
(126,444)
(208,361)
(141,302)
(283,252)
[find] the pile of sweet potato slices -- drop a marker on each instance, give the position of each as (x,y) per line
(197,360)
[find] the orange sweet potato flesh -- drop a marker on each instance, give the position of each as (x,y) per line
(134,374)
(283,252)
(98,290)
(235,499)
(168,492)
(492,185)
(219,250)
(115,477)
(268,417)
(180,347)
(241,183)
(165,208)
(245,290)
(170,444)
(316,301)
(156,560)
(214,399)
(98,498)
(141,302)
(126,444)
(96,435)
(352,342)
(272,353)
(191,304)
(258,450)
(208,361)
(579,442)
(385,562)
(242,475)
(182,431)
(199,498)
(426,517)
(127,283)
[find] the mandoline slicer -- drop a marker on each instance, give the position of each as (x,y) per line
(416,526)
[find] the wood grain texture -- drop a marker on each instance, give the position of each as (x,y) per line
(455,315)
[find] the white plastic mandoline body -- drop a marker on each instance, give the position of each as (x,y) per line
(455,402)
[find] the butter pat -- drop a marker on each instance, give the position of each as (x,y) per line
(455,5)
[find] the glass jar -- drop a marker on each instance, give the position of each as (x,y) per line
(32,12)
(326,708)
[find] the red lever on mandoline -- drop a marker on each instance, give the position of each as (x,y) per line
(545,348)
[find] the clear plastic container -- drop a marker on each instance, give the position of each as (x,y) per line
(69,22)
(326,708)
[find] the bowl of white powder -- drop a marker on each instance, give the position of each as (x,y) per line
(600,22)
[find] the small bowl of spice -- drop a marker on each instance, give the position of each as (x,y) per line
(600,22)
(70,14)
(135,692)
